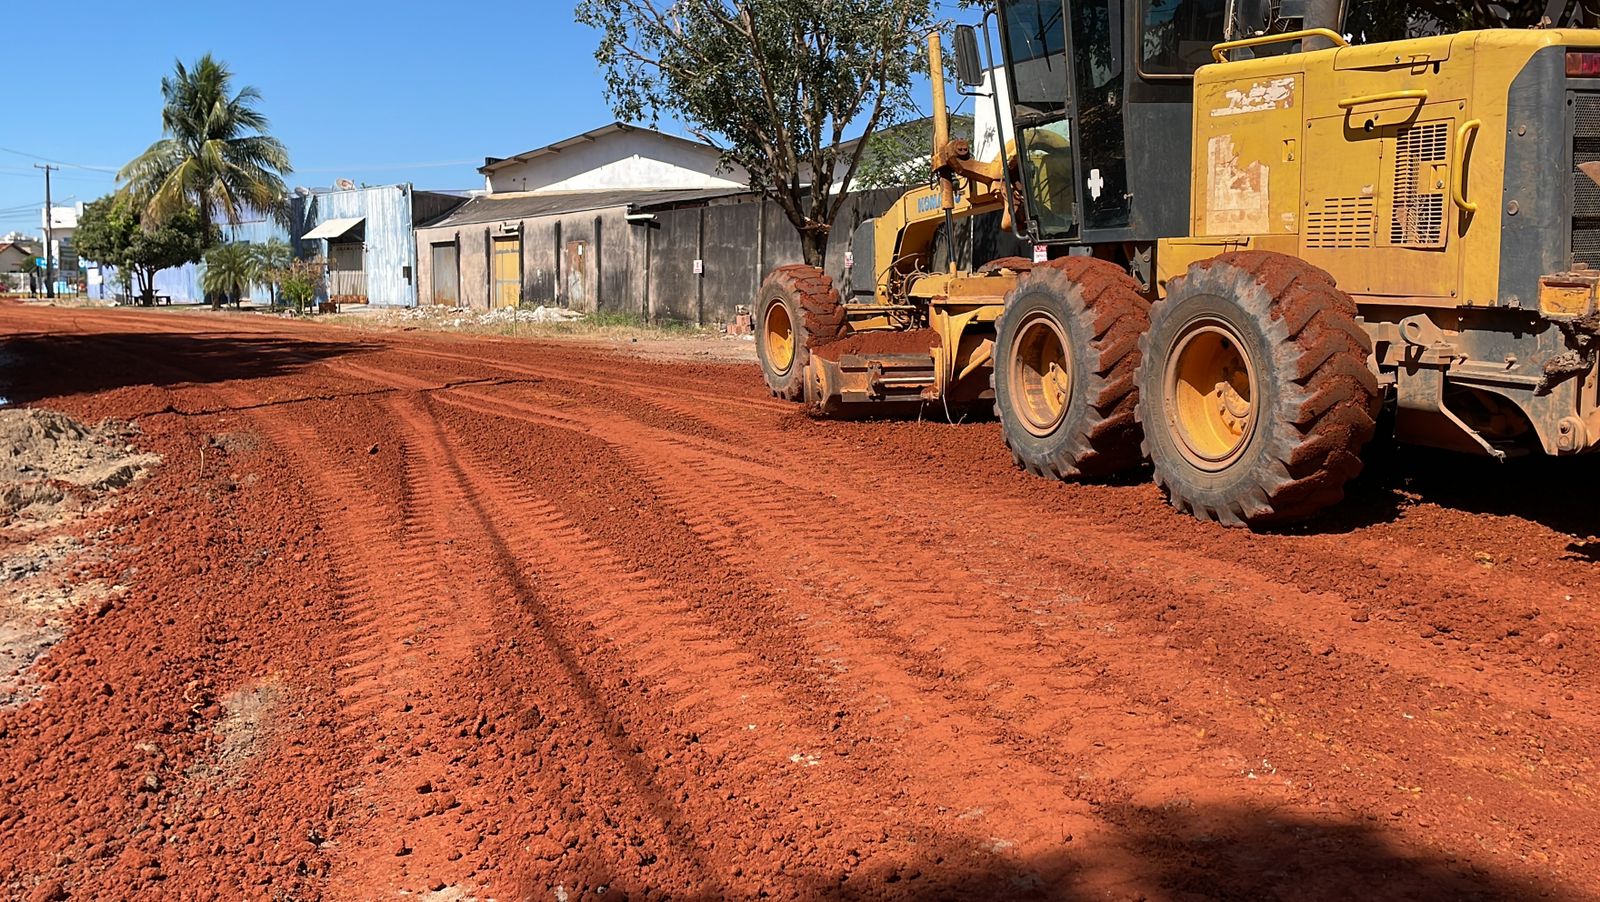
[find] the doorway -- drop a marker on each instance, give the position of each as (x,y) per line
(446,275)
(507,271)
(575,267)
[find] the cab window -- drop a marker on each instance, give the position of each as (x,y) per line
(1036,55)
(1178,35)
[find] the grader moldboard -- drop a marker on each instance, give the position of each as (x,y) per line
(1253,238)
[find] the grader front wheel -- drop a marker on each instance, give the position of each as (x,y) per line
(797,309)
(1065,352)
(1254,391)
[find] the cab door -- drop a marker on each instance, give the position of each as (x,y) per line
(1064,68)
(1097,89)
(1039,78)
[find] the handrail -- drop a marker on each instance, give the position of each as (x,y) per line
(1411,94)
(1219,51)
(1458,175)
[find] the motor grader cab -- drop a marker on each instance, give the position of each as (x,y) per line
(1248,239)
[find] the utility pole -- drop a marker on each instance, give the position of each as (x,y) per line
(49,234)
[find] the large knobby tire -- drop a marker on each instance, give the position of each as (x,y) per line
(1066,349)
(796,309)
(1254,390)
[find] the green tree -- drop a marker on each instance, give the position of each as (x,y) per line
(230,270)
(301,281)
(898,156)
(113,231)
(772,83)
(215,155)
(1370,21)
(273,258)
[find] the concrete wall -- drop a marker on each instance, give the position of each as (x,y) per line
(471,243)
(648,268)
(631,159)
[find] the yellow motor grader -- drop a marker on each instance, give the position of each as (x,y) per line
(1249,238)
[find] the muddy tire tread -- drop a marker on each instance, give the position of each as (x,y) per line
(1110,442)
(822,315)
(1328,409)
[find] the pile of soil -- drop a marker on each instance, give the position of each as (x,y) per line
(47,458)
(913,341)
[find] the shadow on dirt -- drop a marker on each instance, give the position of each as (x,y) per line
(1559,493)
(1205,853)
(46,365)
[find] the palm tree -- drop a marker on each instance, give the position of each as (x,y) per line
(215,153)
(230,270)
(273,257)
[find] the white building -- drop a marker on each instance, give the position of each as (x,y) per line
(60,223)
(613,157)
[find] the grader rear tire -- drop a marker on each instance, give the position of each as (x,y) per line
(1066,348)
(1254,391)
(797,309)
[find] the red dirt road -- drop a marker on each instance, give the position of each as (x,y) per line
(528,620)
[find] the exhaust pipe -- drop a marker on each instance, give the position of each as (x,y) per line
(1327,14)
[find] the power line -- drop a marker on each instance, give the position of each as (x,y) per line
(24,153)
(29,175)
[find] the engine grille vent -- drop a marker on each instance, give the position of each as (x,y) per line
(1418,214)
(1340,222)
(1585,200)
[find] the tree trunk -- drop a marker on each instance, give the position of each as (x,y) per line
(814,246)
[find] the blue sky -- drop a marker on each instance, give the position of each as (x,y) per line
(400,91)
(358,90)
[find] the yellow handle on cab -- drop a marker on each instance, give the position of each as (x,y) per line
(1458,176)
(1219,52)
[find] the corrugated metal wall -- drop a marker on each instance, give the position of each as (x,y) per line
(183,283)
(391,249)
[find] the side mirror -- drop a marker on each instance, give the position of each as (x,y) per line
(969,69)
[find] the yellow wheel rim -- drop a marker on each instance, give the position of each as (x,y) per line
(778,335)
(1041,374)
(1211,391)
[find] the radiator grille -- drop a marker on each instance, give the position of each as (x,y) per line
(1585,194)
(1340,222)
(1418,214)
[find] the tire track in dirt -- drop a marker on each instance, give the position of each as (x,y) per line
(1481,787)
(1224,632)
(902,681)
(398,646)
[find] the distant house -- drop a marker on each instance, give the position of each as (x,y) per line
(630,220)
(13,254)
(560,224)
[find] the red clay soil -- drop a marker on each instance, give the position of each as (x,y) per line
(478,618)
(911,341)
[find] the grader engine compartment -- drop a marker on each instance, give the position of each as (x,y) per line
(1252,245)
